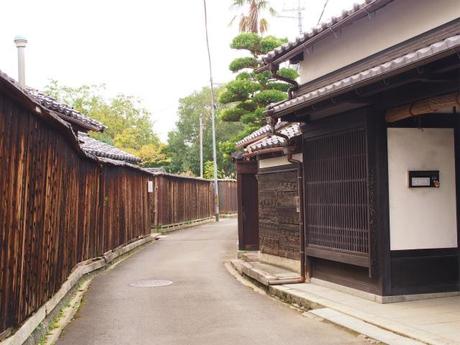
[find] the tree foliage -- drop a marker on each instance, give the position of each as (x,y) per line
(184,144)
(244,62)
(250,18)
(256,44)
(208,171)
(248,95)
(128,123)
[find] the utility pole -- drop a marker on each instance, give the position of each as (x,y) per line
(213,115)
(201,145)
(299,17)
(299,9)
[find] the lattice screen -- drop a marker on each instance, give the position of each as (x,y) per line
(336,192)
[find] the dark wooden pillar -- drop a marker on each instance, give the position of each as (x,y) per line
(248,211)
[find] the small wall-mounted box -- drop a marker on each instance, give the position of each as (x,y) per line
(149,186)
(424,179)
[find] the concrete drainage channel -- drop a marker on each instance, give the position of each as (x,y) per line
(149,283)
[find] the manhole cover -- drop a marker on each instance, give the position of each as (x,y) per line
(150,283)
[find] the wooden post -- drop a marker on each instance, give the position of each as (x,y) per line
(248,210)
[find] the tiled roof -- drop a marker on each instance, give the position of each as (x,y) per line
(358,10)
(158,170)
(65,111)
(290,130)
(253,136)
(100,149)
(83,144)
(370,74)
(258,134)
(56,109)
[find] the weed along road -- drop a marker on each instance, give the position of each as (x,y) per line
(203,305)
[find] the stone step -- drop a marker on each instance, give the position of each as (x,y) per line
(266,274)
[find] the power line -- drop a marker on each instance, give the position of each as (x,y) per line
(322,12)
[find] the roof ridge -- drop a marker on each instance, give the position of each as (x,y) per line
(64,110)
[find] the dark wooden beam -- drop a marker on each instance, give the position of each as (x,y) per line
(347,258)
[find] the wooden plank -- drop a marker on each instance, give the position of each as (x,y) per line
(348,258)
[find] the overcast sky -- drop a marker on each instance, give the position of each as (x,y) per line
(154,50)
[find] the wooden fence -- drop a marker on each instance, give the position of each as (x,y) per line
(60,206)
(228,199)
(180,199)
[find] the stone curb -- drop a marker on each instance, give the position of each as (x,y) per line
(81,269)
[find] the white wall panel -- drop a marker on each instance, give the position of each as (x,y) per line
(422,218)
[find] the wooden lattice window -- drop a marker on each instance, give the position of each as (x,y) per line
(336,196)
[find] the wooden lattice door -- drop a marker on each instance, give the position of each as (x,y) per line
(336,195)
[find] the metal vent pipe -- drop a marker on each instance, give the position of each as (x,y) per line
(21,43)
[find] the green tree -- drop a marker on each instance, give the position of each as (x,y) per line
(250,18)
(248,95)
(208,171)
(128,123)
(184,143)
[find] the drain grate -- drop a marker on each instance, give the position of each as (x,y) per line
(146,283)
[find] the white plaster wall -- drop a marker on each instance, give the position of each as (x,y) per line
(421,218)
(278,161)
(397,22)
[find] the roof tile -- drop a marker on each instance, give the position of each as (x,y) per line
(101,149)
(291,130)
(377,71)
(65,111)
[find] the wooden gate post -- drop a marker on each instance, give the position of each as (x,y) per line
(248,210)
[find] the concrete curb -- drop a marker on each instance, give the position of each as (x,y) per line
(312,301)
(180,226)
(28,327)
(326,310)
(363,327)
(52,336)
(229,215)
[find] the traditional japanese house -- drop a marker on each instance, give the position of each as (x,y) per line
(377,101)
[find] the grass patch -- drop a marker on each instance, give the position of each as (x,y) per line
(69,310)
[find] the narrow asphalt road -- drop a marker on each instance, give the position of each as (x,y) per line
(205,304)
